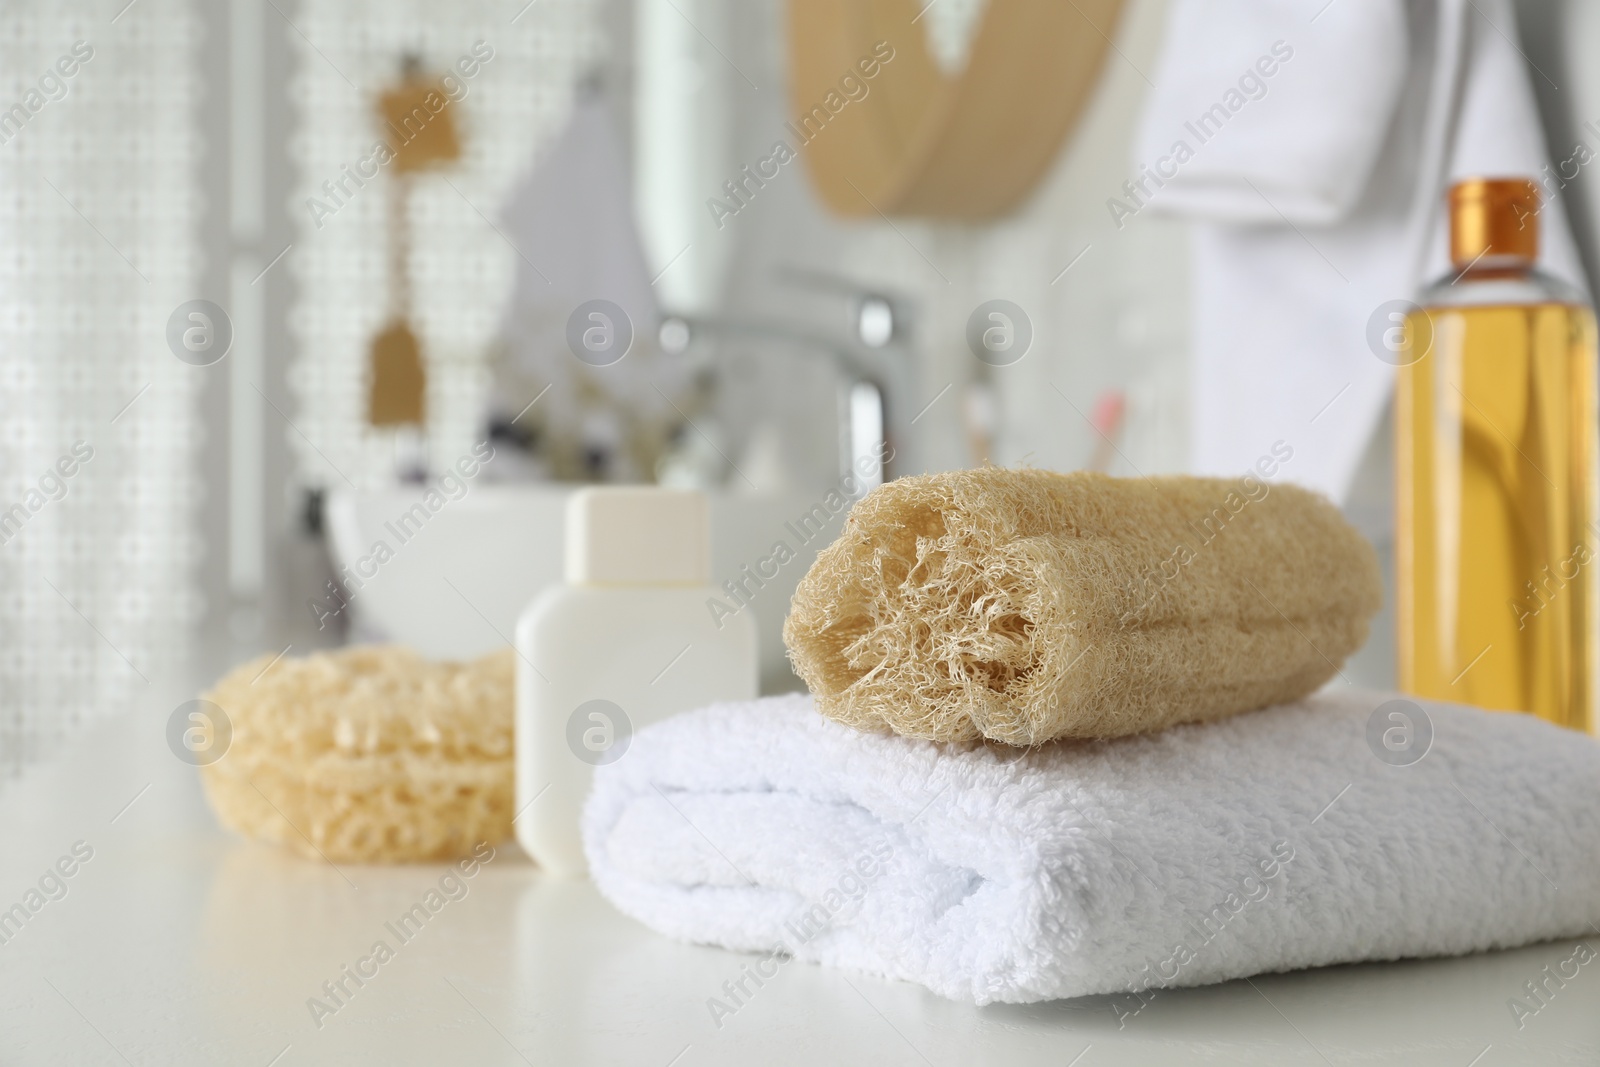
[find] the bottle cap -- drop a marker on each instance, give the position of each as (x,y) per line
(1493,218)
(638,535)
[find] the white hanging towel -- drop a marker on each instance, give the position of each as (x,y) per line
(1318,197)
(1339,829)
(571,222)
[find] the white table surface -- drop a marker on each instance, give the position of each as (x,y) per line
(180,944)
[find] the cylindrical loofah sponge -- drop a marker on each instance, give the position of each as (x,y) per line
(368,754)
(1024,606)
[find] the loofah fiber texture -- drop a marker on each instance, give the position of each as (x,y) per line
(1269,841)
(1023,606)
(369,754)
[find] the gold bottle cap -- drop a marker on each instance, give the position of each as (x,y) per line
(1493,218)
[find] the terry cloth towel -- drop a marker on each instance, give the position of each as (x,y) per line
(1023,605)
(1317,142)
(1267,842)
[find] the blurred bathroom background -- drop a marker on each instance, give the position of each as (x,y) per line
(204,152)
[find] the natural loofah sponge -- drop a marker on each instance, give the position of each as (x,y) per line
(368,754)
(1023,606)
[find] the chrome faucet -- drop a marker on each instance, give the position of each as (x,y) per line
(874,434)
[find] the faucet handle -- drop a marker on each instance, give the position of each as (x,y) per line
(878,317)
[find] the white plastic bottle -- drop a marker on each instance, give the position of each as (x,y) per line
(625,642)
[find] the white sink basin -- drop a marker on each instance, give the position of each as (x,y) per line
(456,579)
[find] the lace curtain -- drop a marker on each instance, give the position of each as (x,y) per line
(460,265)
(99,494)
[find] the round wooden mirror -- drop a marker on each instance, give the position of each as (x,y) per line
(908,139)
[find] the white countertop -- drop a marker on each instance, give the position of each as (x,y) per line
(180,944)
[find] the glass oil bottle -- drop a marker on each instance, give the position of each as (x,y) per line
(1495,419)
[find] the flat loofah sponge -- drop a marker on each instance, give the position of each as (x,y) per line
(368,754)
(1023,606)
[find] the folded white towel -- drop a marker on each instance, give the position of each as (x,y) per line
(1267,842)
